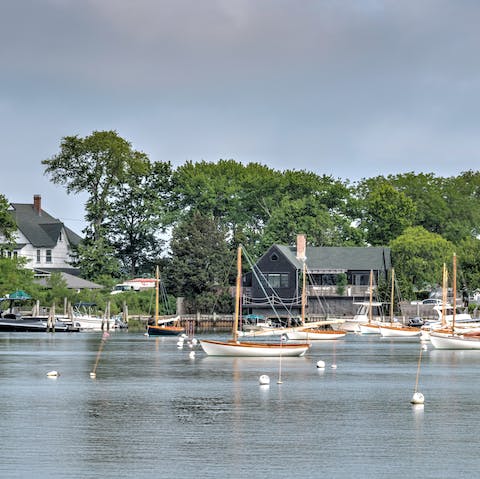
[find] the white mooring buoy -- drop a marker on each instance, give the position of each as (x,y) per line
(333,366)
(418,398)
(264,380)
(191,354)
(321,364)
(93,375)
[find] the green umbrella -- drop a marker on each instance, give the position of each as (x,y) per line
(19,295)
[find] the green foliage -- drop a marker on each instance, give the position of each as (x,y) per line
(418,256)
(468,253)
(386,213)
(341,283)
(200,261)
(14,276)
(138,215)
(96,258)
(7,224)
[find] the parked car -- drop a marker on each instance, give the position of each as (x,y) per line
(433,301)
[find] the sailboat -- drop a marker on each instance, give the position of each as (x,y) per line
(396,329)
(234,347)
(157,329)
(370,327)
(450,338)
(311,332)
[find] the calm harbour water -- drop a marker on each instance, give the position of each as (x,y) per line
(153,411)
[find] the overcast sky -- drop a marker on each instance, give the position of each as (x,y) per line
(348,88)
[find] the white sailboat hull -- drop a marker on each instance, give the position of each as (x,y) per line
(90,323)
(443,341)
(315,334)
(238,348)
(371,328)
(399,332)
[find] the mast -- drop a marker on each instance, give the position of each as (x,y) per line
(454,281)
(237,293)
(370,309)
(157,281)
(392,299)
(444,294)
(304,293)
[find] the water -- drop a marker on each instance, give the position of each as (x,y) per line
(153,412)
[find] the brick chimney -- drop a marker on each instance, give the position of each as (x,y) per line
(37,204)
(301,247)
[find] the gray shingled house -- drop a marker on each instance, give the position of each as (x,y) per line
(274,286)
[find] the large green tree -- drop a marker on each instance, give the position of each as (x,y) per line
(418,257)
(201,263)
(385,212)
(139,208)
(94,165)
(7,224)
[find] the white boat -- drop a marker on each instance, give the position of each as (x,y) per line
(441,340)
(308,332)
(85,319)
(250,348)
(315,334)
(368,325)
(395,329)
(449,337)
(399,331)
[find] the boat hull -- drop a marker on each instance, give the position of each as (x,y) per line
(369,328)
(165,330)
(315,334)
(237,348)
(32,326)
(399,332)
(443,341)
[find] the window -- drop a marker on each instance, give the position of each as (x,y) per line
(277,280)
(48,255)
(39,256)
(274,257)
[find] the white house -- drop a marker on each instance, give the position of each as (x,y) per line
(43,240)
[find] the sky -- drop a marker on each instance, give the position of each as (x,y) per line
(346,88)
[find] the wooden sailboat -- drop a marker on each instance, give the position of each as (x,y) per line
(396,329)
(234,347)
(449,337)
(157,329)
(370,327)
(311,332)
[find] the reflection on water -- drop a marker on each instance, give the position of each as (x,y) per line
(153,411)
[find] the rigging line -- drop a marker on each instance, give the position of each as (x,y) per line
(274,293)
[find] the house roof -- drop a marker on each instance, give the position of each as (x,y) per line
(73,282)
(41,230)
(325,258)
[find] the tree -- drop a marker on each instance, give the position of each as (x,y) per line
(7,223)
(418,258)
(386,213)
(139,212)
(200,262)
(94,165)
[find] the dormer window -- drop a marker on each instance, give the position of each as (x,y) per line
(274,257)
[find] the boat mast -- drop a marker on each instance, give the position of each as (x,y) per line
(304,292)
(391,295)
(444,294)
(157,281)
(454,280)
(237,293)
(370,309)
